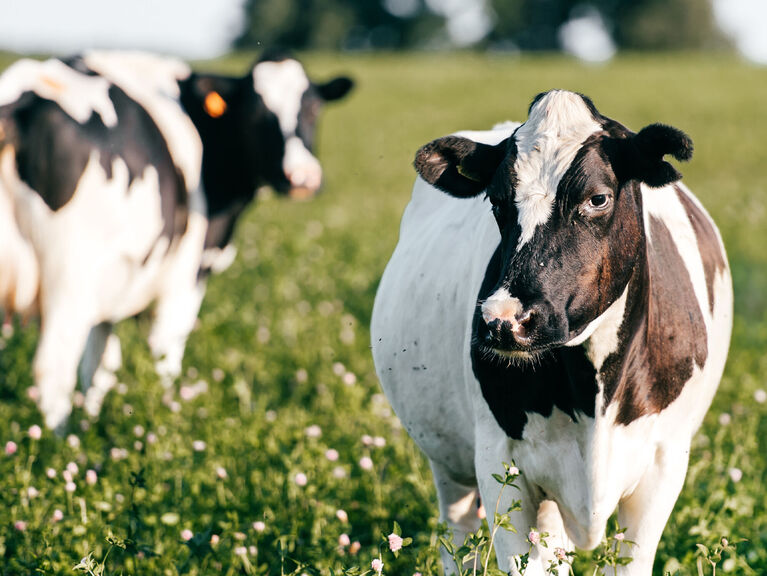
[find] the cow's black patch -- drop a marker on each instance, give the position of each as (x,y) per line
(563,377)
(77,62)
(53,150)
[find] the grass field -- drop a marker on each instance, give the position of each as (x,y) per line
(278,440)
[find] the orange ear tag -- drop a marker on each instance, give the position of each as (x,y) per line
(214,105)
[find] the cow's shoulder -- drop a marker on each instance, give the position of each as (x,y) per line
(663,338)
(708,240)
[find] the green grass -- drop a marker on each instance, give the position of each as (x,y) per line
(282,342)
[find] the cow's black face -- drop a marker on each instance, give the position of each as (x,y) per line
(285,90)
(573,266)
(259,129)
(565,194)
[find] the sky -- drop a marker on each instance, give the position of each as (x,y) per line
(198,29)
(188,28)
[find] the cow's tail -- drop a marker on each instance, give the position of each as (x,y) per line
(19,269)
(7,130)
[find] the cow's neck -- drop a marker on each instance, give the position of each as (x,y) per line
(227,176)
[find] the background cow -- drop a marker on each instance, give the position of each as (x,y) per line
(122,176)
(574,319)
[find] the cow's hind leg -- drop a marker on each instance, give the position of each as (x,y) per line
(645,512)
(64,331)
(458,509)
(101,359)
(175,315)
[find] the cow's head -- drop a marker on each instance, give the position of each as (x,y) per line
(264,121)
(565,193)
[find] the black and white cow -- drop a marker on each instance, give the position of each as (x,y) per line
(557,299)
(122,176)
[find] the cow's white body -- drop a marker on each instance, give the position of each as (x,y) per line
(574,474)
(101,257)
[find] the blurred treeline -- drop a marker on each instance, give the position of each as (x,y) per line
(498,24)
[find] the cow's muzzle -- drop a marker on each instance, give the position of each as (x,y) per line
(510,328)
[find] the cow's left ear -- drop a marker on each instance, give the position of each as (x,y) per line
(459,166)
(644,160)
(335,88)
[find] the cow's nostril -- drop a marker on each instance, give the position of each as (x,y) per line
(522,327)
(524,318)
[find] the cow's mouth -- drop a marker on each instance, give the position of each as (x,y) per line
(301,193)
(514,357)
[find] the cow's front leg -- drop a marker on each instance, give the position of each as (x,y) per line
(645,512)
(509,546)
(175,315)
(101,359)
(535,513)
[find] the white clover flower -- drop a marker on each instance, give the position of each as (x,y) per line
(331,454)
(35,432)
(366,463)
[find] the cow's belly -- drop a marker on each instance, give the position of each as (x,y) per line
(421,324)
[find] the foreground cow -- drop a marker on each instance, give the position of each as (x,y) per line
(121,178)
(566,305)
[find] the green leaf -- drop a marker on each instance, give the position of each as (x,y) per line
(397,529)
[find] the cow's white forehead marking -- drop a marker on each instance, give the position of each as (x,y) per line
(77,94)
(546,146)
(281,85)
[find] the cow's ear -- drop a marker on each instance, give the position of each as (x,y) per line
(459,166)
(643,160)
(335,88)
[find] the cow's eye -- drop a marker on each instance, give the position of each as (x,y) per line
(598,203)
